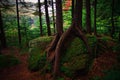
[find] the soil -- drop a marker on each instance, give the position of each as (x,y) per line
(21,72)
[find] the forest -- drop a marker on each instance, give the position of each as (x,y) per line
(59,39)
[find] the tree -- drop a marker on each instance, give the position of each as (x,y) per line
(18,23)
(73,31)
(2,33)
(40,17)
(47,18)
(112,19)
(95,5)
(88,17)
(72,11)
(53,15)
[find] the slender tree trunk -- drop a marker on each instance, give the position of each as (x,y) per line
(72,11)
(95,12)
(18,23)
(2,33)
(53,16)
(40,18)
(112,20)
(47,18)
(88,17)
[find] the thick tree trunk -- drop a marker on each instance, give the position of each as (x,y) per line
(59,27)
(40,18)
(95,11)
(18,23)
(78,13)
(59,49)
(2,33)
(88,17)
(75,29)
(59,17)
(47,18)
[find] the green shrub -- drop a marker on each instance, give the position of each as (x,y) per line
(7,61)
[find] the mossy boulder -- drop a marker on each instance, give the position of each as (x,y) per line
(41,43)
(75,57)
(37,55)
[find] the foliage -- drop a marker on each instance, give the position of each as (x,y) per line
(60,78)
(112,75)
(8,61)
(67,19)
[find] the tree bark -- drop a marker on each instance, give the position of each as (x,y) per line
(18,23)
(88,17)
(2,33)
(40,18)
(78,13)
(53,15)
(47,18)
(59,26)
(72,11)
(75,29)
(59,17)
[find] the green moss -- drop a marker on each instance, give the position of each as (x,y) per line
(37,56)
(41,42)
(36,61)
(76,57)
(7,61)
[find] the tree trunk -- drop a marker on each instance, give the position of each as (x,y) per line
(112,20)
(88,17)
(75,29)
(95,6)
(72,11)
(53,15)
(78,13)
(59,17)
(2,33)
(47,18)
(40,18)
(18,23)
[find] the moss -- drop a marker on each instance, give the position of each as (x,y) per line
(75,57)
(40,42)
(36,61)
(8,61)
(37,56)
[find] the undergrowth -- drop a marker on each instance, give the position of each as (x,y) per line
(8,61)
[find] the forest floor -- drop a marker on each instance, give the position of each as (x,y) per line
(21,72)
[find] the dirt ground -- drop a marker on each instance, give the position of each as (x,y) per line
(21,72)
